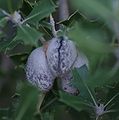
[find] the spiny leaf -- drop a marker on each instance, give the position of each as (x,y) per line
(41,10)
(75,102)
(27,105)
(89,39)
(28,35)
(80,79)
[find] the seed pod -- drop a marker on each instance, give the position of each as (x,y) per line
(67,85)
(67,79)
(61,54)
(37,71)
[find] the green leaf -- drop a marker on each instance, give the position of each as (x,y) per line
(93,8)
(80,79)
(75,102)
(7,33)
(10,5)
(2,21)
(91,40)
(100,79)
(27,105)
(48,115)
(115,102)
(41,10)
(28,35)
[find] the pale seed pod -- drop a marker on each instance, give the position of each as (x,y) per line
(37,71)
(61,54)
(67,85)
(67,79)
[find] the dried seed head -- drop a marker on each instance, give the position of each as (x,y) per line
(61,54)
(67,85)
(37,71)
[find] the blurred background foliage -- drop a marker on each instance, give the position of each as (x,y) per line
(94,26)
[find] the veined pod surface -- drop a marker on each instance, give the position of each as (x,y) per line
(67,85)
(61,54)
(37,70)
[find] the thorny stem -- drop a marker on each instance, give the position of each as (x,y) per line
(52,22)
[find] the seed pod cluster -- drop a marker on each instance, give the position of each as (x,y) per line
(57,61)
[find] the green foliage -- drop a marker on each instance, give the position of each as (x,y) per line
(27,105)
(28,35)
(91,27)
(10,5)
(38,12)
